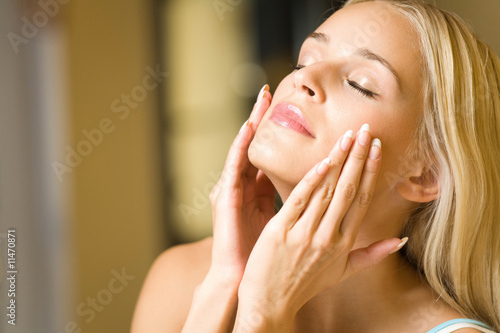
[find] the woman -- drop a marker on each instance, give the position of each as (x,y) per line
(427,91)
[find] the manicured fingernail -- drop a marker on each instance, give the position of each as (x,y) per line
(261,92)
(400,245)
(323,167)
(243,126)
(365,127)
(364,135)
(376,149)
(346,142)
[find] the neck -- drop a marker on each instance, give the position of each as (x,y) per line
(371,299)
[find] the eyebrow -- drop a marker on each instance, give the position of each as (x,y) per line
(319,36)
(363,52)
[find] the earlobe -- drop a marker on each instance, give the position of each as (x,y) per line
(421,186)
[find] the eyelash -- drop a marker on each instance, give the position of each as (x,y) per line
(353,84)
(297,67)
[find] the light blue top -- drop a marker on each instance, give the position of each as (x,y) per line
(457,321)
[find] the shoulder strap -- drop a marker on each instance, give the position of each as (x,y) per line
(456,324)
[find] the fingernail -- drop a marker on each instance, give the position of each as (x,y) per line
(242,127)
(261,92)
(364,135)
(345,144)
(400,245)
(323,167)
(376,149)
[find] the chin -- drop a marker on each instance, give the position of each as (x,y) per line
(281,158)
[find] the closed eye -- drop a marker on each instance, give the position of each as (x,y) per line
(353,84)
(365,92)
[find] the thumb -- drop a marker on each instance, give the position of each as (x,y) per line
(363,258)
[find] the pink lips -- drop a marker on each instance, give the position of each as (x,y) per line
(290,116)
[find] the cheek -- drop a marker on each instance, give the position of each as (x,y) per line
(390,126)
(396,137)
(284,88)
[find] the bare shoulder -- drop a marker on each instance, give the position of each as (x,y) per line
(422,309)
(167,292)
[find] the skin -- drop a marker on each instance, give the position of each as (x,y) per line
(330,268)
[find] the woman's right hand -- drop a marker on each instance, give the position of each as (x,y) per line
(242,202)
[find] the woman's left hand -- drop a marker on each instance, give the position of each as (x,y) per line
(307,247)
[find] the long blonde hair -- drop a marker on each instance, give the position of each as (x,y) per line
(455,239)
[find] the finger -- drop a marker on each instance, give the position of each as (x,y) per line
(261,105)
(346,188)
(237,159)
(237,163)
(298,199)
(364,258)
(260,108)
(361,202)
(323,193)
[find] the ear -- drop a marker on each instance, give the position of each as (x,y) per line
(419,185)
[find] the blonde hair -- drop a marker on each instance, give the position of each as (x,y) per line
(455,239)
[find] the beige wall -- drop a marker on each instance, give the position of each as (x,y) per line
(117,186)
(209,55)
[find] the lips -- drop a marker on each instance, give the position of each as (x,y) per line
(290,116)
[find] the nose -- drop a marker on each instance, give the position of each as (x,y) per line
(309,81)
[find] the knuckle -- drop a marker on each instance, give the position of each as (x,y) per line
(364,199)
(214,192)
(346,242)
(323,247)
(213,197)
(372,167)
(232,167)
(358,155)
(350,243)
(276,230)
(298,202)
(326,192)
(338,160)
(310,181)
(335,239)
(302,245)
(348,191)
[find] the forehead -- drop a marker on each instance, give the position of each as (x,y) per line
(376,26)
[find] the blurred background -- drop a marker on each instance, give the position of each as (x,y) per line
(115,120)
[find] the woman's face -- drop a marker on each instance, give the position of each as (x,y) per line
(362,65)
